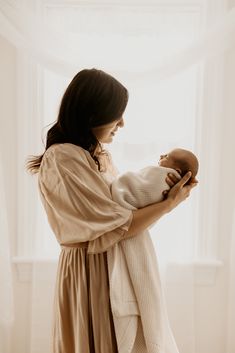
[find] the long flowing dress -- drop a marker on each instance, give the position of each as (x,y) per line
(86,222)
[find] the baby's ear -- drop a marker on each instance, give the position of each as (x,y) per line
(179,171)
(193,180)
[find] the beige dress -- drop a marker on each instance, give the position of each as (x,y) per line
(86,222)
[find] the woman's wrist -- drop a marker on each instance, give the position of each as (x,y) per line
(169,205)
(166,205)
(144,217)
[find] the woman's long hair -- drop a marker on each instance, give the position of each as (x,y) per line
(93,98)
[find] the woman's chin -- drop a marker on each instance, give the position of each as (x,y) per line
(108,139)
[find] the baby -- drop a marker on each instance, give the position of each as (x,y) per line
(138,189)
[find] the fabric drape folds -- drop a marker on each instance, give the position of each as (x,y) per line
(60,51)
(6,284)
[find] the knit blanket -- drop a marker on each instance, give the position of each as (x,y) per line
(136,292)
(134,190)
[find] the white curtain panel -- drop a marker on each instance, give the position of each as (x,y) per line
(6,285)
(231,293)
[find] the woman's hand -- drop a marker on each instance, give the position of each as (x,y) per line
(171,180)
(180,191)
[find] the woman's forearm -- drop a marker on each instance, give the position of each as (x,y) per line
(144,217)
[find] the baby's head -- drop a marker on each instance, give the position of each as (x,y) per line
(181,160)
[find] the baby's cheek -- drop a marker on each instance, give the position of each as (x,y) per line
(163,163)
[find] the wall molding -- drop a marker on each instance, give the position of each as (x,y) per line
(194,273)
(166,4)
(24,267)
(202,273)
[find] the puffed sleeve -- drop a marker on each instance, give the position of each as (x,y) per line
(78,201)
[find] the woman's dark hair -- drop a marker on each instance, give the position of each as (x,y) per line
(93,98)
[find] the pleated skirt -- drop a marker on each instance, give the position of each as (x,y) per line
(82,320)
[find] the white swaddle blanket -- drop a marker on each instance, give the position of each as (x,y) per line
(136,256)
(134,190)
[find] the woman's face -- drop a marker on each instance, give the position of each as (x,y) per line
(105,133)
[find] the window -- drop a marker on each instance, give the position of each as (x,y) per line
(161,114)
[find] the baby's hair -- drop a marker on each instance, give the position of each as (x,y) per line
(188,164)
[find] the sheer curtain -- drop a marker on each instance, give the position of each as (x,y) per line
(231,304)
(6,282)
(173,70)
(66,52)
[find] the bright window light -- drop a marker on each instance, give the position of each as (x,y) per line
(160,115)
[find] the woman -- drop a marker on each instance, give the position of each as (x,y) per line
(74,177)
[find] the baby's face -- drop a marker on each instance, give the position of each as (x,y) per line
(168,160)
(181,160)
